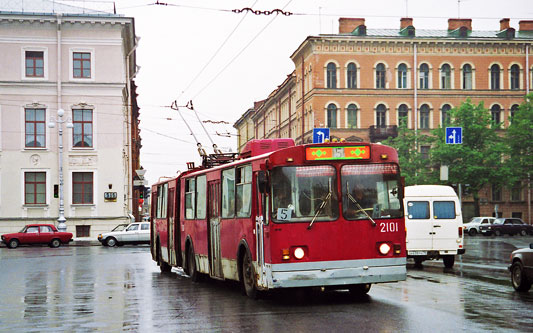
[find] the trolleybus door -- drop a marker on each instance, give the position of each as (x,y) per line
(170,220)
(259,224)
(214,229)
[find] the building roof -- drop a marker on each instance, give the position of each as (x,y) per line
(434,33)
(49,7)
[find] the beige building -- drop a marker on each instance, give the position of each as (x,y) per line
(66,115)
(362,83)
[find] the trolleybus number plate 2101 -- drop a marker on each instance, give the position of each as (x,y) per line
(388,226)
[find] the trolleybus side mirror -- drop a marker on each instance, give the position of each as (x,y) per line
(262,181)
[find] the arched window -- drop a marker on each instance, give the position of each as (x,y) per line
(331,70)
(495,77)
(514,109)
(445,114)
(380,76)
(381,116)
(332,116)
(403,114)
(352,76)
(424,116)
(515,77)
(446,77)
(467,77)
(495,112)
(402,76)
(352,116)
(424,76)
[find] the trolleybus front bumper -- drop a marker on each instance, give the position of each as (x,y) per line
(337,273)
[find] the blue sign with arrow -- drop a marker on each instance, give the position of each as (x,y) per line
(320,135)
(454,135)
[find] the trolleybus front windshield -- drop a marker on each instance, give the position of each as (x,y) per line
(370,191)
(299,193)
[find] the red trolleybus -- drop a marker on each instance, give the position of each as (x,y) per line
(317,215)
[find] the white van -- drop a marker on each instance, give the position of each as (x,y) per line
(433,223)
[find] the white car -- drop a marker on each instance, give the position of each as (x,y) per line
(472,226)
(134,233)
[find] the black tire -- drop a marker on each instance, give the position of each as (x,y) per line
(163,266)
(55,243)
(358,290)
(497,233)
(523,232)
(191,264)
(448,261)
(518,278)
(13,244)
(248,273)
(111,241)
(472,232)
(418,261)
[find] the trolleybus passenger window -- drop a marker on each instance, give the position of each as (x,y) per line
(189,198)
(201,196)
(228,193)
(243,189)
(300,193)
(159,199)
(418,210)
(164,201)
(371,191)
(444,209)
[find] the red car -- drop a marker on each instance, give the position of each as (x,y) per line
(37,234)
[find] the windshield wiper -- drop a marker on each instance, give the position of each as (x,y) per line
(352,199)
(322,205)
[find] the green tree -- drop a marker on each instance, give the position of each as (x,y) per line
(479,160)
(415,168)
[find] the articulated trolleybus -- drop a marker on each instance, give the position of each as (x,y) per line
(284,216)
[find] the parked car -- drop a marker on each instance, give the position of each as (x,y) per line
(134,233)
(521,268)
(37,234)
(120,227)
(507,225)
(472,226)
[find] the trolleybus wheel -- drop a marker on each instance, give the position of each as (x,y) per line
(163,266)
(248,276)
(359,290)
(191,264)
(448,261)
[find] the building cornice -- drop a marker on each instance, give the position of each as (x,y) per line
(66,18)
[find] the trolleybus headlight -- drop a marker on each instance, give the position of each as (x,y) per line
(384,248)
(299,253)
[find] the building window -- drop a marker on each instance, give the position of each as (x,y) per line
(35,188)
(495,112)
(514,109)
(424,76)
(403,113)
(34,64)
(352,76)
(446,77)
(380,76)
(496,193)
(352,116)
(381,115)
(424,152)
(35,128)
(331,76)
(516,192)
(515,77)
(82,187)
(445,114)
(83,230)
(83,128)
(467,77)
(402,76)
(332,116)
(495,77)
(81,62)
(424,116)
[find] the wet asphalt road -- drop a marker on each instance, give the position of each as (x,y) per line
(94,288)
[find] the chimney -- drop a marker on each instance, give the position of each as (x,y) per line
(504,24)
(454,24)
(347,25)
(525,25)
(405,22)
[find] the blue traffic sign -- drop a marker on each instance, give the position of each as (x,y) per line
(320,135)
(454,135)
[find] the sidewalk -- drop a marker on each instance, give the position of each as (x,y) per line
(84,241)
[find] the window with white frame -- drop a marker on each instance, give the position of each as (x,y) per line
(402,76)
(424,76)
(495,77)
(351,75)
(424,116)
(445,114)
(403,114)
(332,116)
(495,112)
(34,121)
(381,115)
(351,116)
(82,187)
(514,109)
(34,188)
(380,76)
(446,76)
(331,73)
(467,77)
(515,77)
(82,133)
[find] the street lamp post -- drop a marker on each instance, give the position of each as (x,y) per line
(61,220)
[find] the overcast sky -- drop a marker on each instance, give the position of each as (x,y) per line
(200,50)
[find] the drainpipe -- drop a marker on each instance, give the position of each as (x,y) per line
(129,167)
(279,117)
(528,174)
(290,125)
(303,103)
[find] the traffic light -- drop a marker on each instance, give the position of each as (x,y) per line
(56,191)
